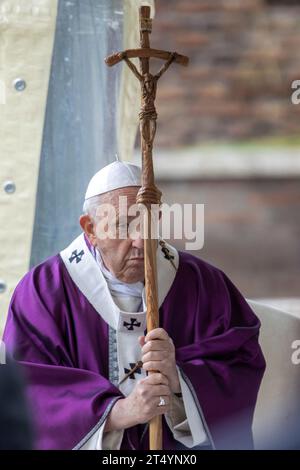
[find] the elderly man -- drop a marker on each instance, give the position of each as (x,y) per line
(77,323)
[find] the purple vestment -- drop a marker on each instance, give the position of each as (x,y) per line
(62,343)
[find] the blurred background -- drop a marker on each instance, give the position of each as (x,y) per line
(228,135)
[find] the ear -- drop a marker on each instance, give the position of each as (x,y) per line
(87,226)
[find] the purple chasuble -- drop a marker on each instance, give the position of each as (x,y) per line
(62,343)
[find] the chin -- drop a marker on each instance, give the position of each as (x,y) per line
(135,277)
(133,280)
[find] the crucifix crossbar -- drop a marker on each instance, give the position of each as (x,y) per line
(149,195)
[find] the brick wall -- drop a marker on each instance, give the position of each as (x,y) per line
(252,231)
(244,55)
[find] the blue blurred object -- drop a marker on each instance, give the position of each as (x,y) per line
(80,134)
(15,428)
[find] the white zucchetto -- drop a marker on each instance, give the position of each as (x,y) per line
(116,175)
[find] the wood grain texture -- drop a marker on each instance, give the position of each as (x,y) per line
(114,59)
(149,194)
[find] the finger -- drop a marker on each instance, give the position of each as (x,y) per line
(160,390)
(157,333)
(155,379)
(157,366)
(162,410)
(142,341)
(156,345)
(157,391)
(155,401)
(155,356)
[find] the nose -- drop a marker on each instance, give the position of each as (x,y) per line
(138,243)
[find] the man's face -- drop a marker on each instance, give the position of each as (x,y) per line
(124,258)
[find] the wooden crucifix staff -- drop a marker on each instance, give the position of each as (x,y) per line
(149,194)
